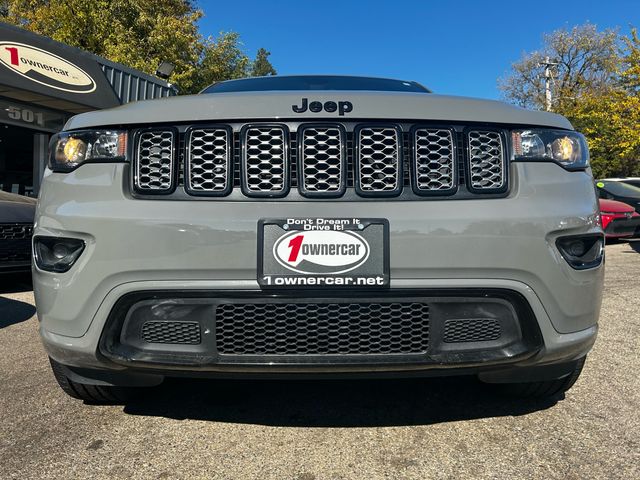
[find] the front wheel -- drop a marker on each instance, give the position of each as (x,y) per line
(104,394)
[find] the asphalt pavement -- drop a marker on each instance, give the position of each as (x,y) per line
(301,430)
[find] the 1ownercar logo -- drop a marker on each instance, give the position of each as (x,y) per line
(321,252)
(45,68)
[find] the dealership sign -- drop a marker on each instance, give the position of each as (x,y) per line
(45,68)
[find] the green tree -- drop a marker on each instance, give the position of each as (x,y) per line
(611,119)
(586,59)
(596,85)
(261,66)
(137,33)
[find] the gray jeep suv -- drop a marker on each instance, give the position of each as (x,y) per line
(317,225)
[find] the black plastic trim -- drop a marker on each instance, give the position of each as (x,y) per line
(243,161)
(356,163)
(477,354)
(414,163)
(187,160)
(343,161)
(506,155)
(174,162)
(567,258)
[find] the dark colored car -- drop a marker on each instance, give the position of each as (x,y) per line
(619,220)
(620,191)
(16,227)
(635,181)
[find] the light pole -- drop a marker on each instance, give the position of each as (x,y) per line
(548,100)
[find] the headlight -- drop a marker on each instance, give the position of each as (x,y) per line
(567,148)
(71,149)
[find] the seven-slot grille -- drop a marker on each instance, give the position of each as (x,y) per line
(320,160)
(486,161)
(379,160)
(264,160)
(208,166)
(155,161)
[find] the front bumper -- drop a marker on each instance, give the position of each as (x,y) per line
(623,227)
(136,245)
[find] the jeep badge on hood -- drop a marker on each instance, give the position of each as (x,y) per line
(329,107)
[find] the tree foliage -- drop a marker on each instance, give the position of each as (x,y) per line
(261,65)
(596,85)
(139,34)
(586,61)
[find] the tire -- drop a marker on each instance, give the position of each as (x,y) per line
(97,394)
(546,388)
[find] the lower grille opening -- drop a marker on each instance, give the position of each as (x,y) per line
(322,329)
(178,333)
(471,330)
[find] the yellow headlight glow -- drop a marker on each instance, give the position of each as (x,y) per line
(562,149)
(74,151)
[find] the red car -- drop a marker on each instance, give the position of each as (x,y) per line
(619,220)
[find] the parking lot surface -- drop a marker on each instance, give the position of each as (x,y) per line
(303,430)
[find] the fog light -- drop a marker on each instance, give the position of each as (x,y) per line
(55,254)
(582,251)
(576,248)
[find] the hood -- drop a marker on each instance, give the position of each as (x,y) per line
(276,105)
(14,212)
(612,206)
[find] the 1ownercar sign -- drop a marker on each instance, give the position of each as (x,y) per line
(45,68)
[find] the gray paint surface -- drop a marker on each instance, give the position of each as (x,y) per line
(277,106)
(152,244)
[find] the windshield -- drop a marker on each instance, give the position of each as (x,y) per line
(619,189)
(315,82)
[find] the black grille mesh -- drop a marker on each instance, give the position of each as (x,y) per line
(181,333)
(15,231)
(485,162)
(472,330)
(15,244)
(322,329)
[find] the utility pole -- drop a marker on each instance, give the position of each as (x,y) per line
(548,100)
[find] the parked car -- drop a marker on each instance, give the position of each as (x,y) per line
(317,225)
(614,189)
(16,227)
(635,181)
(619,220)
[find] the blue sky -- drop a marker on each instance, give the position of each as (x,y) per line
(459,47)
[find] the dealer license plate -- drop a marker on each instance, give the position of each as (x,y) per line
(323,253)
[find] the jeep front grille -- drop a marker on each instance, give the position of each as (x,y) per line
(322,329)
(16,231)
(322,160)
(208,167)
(155,162)
(487,169)
(348,160)
(265,161)
(15,242)
(379,160)
(435,161)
